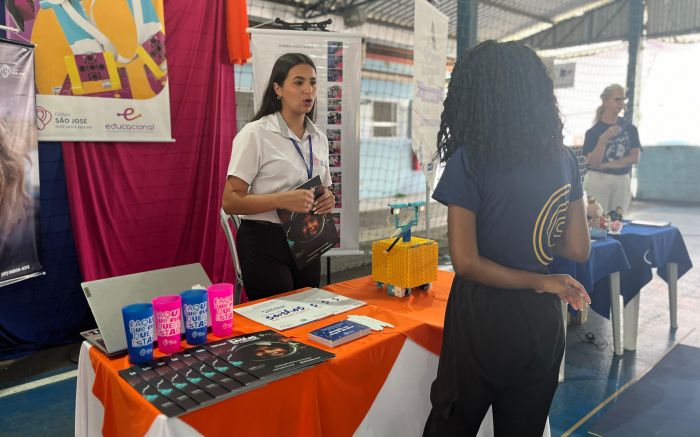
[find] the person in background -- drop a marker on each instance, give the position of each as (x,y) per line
(514,199)
(278,150)
(611,148)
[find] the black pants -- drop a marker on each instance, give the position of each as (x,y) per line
(267,264)
(500,348)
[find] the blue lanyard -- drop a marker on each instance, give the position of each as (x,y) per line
(310,167)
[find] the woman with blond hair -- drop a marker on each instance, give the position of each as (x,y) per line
(16,206)
(611,149)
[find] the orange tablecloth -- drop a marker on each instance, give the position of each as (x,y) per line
(427,307)
(329,399)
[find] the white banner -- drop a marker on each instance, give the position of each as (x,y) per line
(19,165)
(338,65)
(429,61)
(101,69)
(68,118)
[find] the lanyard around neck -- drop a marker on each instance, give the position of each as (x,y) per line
(310,166)
(284,129)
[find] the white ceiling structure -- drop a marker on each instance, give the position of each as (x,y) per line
(545,24)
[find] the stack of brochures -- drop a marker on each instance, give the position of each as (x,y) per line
(339,333)
(199,376)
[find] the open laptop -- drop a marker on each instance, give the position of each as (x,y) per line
(106,298)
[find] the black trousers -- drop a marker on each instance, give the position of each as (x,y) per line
(267,264)
(500,348)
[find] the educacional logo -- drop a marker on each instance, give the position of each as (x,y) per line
(43,117)
(129,114)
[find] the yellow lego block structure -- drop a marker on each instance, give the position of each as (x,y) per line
(407,265)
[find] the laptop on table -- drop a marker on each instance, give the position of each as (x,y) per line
(106,297)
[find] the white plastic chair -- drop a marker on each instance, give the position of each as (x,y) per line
(228,221)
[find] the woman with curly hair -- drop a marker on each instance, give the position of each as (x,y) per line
(514,198)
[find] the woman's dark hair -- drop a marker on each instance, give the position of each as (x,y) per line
(270,104)
(501,106)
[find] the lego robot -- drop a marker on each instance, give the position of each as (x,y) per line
(402,262)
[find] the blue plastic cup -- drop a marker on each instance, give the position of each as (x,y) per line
(195,312)
(138,325)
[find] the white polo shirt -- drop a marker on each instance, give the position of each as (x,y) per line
(268,162)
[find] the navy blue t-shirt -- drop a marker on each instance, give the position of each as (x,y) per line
(520,213)
(617,147)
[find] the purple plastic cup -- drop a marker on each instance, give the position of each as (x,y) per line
(167,313)
(221,308)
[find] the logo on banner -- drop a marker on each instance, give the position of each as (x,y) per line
(5,71)
(129,114)
(43,117)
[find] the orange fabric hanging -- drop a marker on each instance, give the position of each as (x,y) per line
(236,36)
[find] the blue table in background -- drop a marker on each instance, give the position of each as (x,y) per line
(647,247)
(600,275)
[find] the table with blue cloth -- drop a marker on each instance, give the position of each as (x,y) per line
(600,275)
(647,247)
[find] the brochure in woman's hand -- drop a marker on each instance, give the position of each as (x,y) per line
(309,235)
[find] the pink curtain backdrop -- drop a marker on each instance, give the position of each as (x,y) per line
(143,206)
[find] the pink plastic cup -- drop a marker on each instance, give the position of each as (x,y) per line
(221,307)
(167,315)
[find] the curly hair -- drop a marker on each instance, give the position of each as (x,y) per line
(500,105)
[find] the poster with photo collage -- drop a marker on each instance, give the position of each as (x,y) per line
(336,57)
(335,122)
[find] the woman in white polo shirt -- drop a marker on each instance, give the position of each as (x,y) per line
(277,151)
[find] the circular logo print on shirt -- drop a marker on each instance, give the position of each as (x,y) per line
(617,147)
(550,224)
